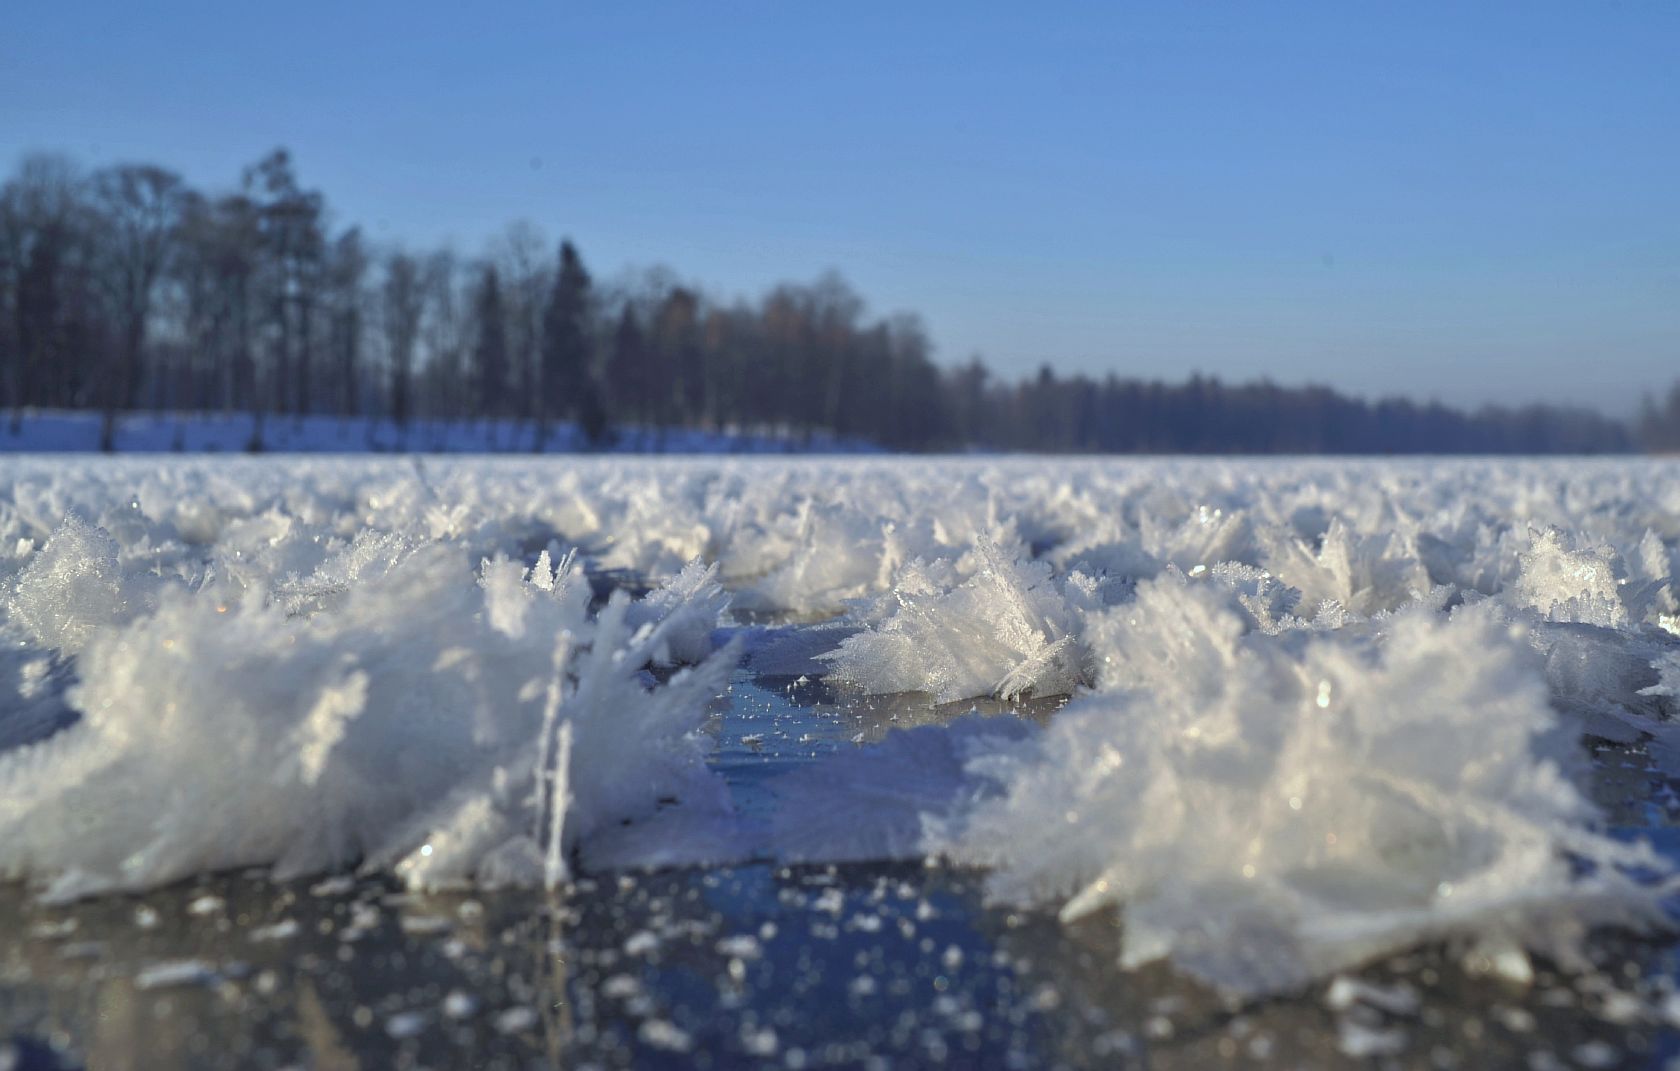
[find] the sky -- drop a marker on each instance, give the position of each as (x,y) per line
(1466,202)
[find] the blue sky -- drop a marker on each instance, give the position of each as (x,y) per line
(1475,202)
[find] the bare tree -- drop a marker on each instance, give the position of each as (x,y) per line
(835,311)
(786,325)
(139,212)
(520,254)
(1659,425)
(60,327)
(346,274)
(627,374)
(402,305)
(676,339)
(217,272)
(293,247)
(447,336)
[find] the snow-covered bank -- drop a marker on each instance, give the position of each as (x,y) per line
(1321,710)
(79,431)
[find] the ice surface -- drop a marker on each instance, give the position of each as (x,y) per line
(877,802)
(1319,710)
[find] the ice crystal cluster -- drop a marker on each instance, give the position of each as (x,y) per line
(1316,711)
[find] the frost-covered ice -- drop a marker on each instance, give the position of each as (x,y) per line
(1317,711)
(447,722)
(1305,803)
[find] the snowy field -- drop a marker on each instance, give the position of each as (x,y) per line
(78,431)
(996,763)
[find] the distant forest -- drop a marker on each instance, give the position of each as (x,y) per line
(125,288)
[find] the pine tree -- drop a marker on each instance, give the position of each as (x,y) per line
(565,352)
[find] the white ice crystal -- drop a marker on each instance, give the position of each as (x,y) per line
(71,588)
(1568,579)
(406,722)
(1363,573)
(1265,812)
(833,554)
(1007,631)
(687,607)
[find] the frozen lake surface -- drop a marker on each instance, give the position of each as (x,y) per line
(509,763)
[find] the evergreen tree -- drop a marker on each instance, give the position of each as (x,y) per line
(566,337)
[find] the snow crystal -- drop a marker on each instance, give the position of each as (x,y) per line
(1566,581)
(1005,631)
(71,588)
(396,730)
(1261,838)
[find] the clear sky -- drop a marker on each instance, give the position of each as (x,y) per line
(1470,201)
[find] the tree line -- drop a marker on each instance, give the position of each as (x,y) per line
(1658,428)
(126,288)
